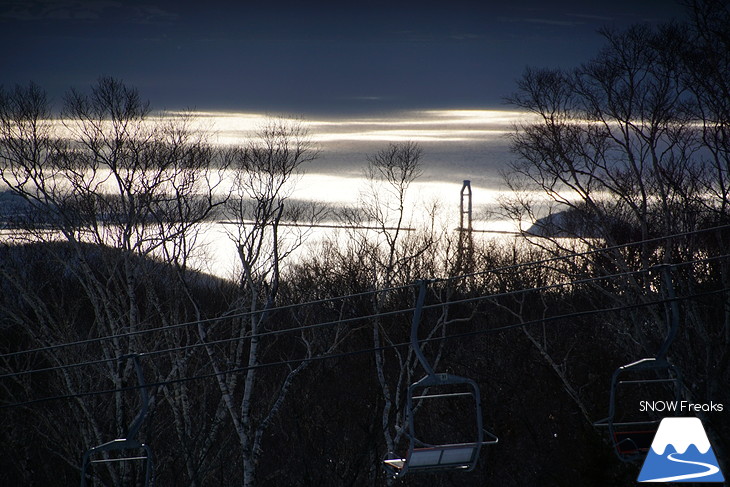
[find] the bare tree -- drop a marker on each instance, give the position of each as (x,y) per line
(628,147)
(264,174)
(396,247)
(111,192)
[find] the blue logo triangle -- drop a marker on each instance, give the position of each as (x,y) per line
(681,452)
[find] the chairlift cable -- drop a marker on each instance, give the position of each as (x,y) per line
(355,295)
(242,314)
(368,350)
(586,253)
(572,283)
(338,322)
(304,327)
(215,342)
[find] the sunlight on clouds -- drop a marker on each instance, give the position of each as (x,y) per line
(477,116)
(328,188)
(421,125)
(457,145)
(414,135)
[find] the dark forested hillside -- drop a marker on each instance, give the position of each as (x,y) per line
(612,300)
(542,385)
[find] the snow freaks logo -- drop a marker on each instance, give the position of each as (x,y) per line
(681,452)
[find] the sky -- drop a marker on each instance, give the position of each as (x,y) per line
(306,57)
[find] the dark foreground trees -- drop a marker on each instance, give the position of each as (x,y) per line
(113,202)
(113,197)
(633,146)
(273,378)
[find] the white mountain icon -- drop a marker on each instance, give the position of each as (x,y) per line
(680,433)
(681,452)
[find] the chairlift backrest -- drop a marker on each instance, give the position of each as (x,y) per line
(431,388)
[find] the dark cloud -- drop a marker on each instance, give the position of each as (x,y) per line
(546,21)
(83,10)
(303,55)
(593,17)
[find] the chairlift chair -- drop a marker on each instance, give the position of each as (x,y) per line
(631,435)
(132,450)
(443,456)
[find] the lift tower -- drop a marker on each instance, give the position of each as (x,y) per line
(466,243)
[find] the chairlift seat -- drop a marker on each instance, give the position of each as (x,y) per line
(423,457)
(442,457)
(123,445)
(129,448)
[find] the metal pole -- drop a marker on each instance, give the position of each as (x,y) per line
(414,328)
(466,245)
(672,311)
(137,423)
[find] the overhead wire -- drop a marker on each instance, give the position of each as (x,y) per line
(219,341)
(590,252)
(578,282)
(354,319)
(487,331)
(323,324)
(243,314)
(229,316)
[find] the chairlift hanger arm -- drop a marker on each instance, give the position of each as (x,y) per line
(414,329)
(130,442)
(139,419)
(672,311)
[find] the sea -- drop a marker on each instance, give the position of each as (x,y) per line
(457,145)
